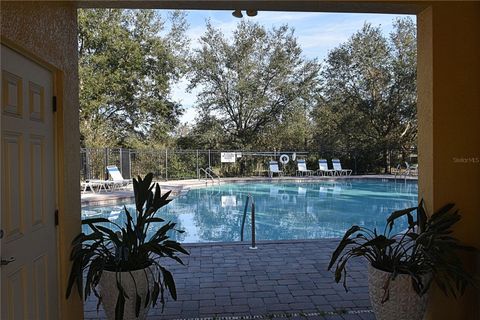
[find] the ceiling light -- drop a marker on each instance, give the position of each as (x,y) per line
(237,14)
(252,13)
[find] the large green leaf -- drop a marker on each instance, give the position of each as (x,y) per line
(397,214)
(169,282)
(120,306)
(343,243)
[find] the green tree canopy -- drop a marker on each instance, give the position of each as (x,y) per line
(367,104)
(127,63)
(251,82)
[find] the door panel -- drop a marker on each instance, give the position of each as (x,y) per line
(28,190)
(12,201)
(17,305)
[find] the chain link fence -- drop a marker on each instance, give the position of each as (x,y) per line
(172,164)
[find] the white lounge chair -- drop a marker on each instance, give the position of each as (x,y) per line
(117,178)
(323,168)
(412,170)
(337,167)
(302,168)
(95,183)
(273,168)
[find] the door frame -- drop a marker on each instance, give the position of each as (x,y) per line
(57,90)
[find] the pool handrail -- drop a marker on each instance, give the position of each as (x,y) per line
(253,246)
(208,173)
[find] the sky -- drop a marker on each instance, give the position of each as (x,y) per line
(317,34)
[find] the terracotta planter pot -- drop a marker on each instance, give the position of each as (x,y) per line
(404,303)
(109,292)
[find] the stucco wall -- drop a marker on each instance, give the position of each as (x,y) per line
(49,33)
(449,128)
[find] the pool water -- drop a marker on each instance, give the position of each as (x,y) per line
(283,210)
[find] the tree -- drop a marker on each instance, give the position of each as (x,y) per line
(367,104)
(250,83)
(127,63)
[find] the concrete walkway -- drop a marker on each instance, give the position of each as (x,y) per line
(281,280)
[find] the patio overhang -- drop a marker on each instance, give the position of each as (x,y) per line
(448,105)
(400,7)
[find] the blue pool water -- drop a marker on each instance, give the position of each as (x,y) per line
(284,210)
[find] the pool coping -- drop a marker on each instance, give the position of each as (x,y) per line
(178,187)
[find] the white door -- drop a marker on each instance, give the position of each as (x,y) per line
(29,283)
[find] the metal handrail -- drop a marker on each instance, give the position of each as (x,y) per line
(207,174)
(253,246)
(212,173)
(401,175)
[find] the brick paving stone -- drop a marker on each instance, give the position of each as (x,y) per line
(264,294)
(207,303)
(367,316)
(223,301)
(255,302)
(285,298)
(279,278)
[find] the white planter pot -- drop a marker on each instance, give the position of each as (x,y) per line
(404,303)
(109,292)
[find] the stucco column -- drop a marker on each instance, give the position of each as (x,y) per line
(449,129)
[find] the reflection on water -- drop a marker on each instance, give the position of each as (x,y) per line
(284,210)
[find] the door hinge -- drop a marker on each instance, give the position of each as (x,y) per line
(56,217)
(54,103)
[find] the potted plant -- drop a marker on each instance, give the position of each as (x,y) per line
(123,261)
(403,265)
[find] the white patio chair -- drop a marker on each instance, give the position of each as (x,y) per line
(94,184)
(323,168)
(117,178)
(337,167)
(273,168)
(302,168)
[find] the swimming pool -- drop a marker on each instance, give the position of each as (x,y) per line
(283,210)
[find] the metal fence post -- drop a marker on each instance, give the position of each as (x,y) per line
(209,164)
(355,157)
(88,174)
(198,172)
(166,164)
(106,164)
(120,156)
(130,162)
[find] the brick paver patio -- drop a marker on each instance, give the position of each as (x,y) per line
(278,280)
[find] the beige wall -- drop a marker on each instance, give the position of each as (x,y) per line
(49,33)
(449,127)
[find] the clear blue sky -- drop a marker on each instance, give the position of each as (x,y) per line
(317,34)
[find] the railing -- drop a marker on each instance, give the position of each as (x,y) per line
(253,246)
(212,173)
(185,164)
(208,174)
(410,170)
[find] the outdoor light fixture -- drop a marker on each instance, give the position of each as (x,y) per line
(237,13)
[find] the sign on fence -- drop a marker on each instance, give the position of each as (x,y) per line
(227,157)
(229,201)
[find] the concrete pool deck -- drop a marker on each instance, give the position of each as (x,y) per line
(278,280)
(178,186)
